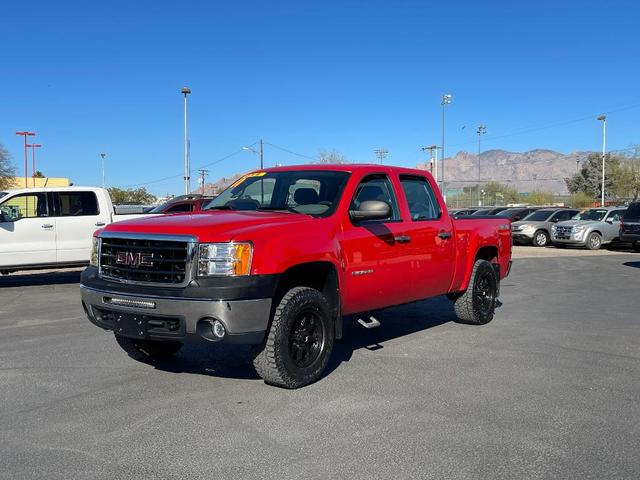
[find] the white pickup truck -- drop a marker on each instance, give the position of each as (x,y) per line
(51,227)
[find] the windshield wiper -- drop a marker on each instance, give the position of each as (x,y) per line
(281,209)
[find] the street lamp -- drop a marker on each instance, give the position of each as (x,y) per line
(446,100)
(603,119)
(25,134)
(102,156)
(482,129)
(33,161)
(261,152)
(186,91)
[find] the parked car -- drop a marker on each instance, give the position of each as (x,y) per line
(630,226)
(517,213)
(51,227)
(535,228)
(181,204)
(282,255)
(591,228)
(482,211)
(497,210)
(461,212)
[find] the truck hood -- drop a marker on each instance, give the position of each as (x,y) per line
(573,223)
(211,226)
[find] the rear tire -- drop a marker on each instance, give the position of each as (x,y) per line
(148,350)
(541,239)
(299,342)
(594,241)
(477,305)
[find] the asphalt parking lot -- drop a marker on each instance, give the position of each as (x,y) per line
(549,389)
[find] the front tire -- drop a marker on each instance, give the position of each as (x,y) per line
(541,239)
(594,241)
(299,342)
(477,305)
(147,350)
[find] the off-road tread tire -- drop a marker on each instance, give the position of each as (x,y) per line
(269,360)
(535,235)
(148,351)
(463,306)
(588,242)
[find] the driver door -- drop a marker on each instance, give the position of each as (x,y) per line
(29,235)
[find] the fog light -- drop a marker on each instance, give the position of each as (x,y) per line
(218,329)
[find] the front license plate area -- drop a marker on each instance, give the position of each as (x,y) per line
(130,325)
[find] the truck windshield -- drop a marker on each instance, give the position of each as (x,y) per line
(592,214)
(539,215)
(311,192)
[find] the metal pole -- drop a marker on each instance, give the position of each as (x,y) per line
(102,155)
(261,154)
(187,169)
(442,149)
(604,139)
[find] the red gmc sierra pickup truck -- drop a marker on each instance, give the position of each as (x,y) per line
(282,256)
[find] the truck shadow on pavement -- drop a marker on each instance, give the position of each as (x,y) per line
(632,264)
(234,361)
(39,279)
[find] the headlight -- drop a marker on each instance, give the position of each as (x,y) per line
(224,259)
(94,258)
(578,229)
(554,228)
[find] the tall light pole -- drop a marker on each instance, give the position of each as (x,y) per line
(482,129)
(33,162)
(25,134)
(187,169)
(102,156)
(446,100)
(381,154)
(260,153)
(603,119)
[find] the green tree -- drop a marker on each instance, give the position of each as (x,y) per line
(38,174)
(589,178)
(626,175)
(496,193)
(539,197)
(7,171)
(582,200)
(136,196)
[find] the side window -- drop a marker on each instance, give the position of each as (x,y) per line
(77,204)
(615,215)
(421,200)
(377,187)
(26,205)
(563,215)
(181,207)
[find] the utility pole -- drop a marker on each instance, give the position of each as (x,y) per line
(446,100)
(33,162)
(482,129)
(102,156)
(603,119)
(261,154)
(203,174)
(381,154)
(26,134)
(187,169)
(433,159)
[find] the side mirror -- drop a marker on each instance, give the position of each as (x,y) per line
(4,218)
(555,220)
(371,210)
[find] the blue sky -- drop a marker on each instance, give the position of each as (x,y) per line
(348,75)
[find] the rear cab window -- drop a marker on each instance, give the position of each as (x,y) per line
(633,212)
(76,204)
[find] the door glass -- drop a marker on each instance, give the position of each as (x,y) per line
(26,205)
(75,204)
(420,198)
(376,188)
(181,207)
(615,216)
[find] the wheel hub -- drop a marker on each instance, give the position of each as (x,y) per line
(305,339)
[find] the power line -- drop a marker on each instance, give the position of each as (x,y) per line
(291,152)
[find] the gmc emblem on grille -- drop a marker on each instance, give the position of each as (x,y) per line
(136,259)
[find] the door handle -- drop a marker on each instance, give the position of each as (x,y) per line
(444,235)
(402,238)
(47,226)
(100,224)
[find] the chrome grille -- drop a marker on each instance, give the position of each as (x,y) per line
(165,261)
(563,231)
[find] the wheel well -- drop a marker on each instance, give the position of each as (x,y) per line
(319,275)
(595,231)
(490,254)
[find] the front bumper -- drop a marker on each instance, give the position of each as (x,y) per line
(522,236)
(573,239)
(629,237)
(176,318)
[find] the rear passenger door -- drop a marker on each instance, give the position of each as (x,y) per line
(432,243)
(77,217)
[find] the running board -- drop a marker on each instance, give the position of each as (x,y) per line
(371,323)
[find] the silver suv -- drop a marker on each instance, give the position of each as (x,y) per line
(591,229)
(535,228)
